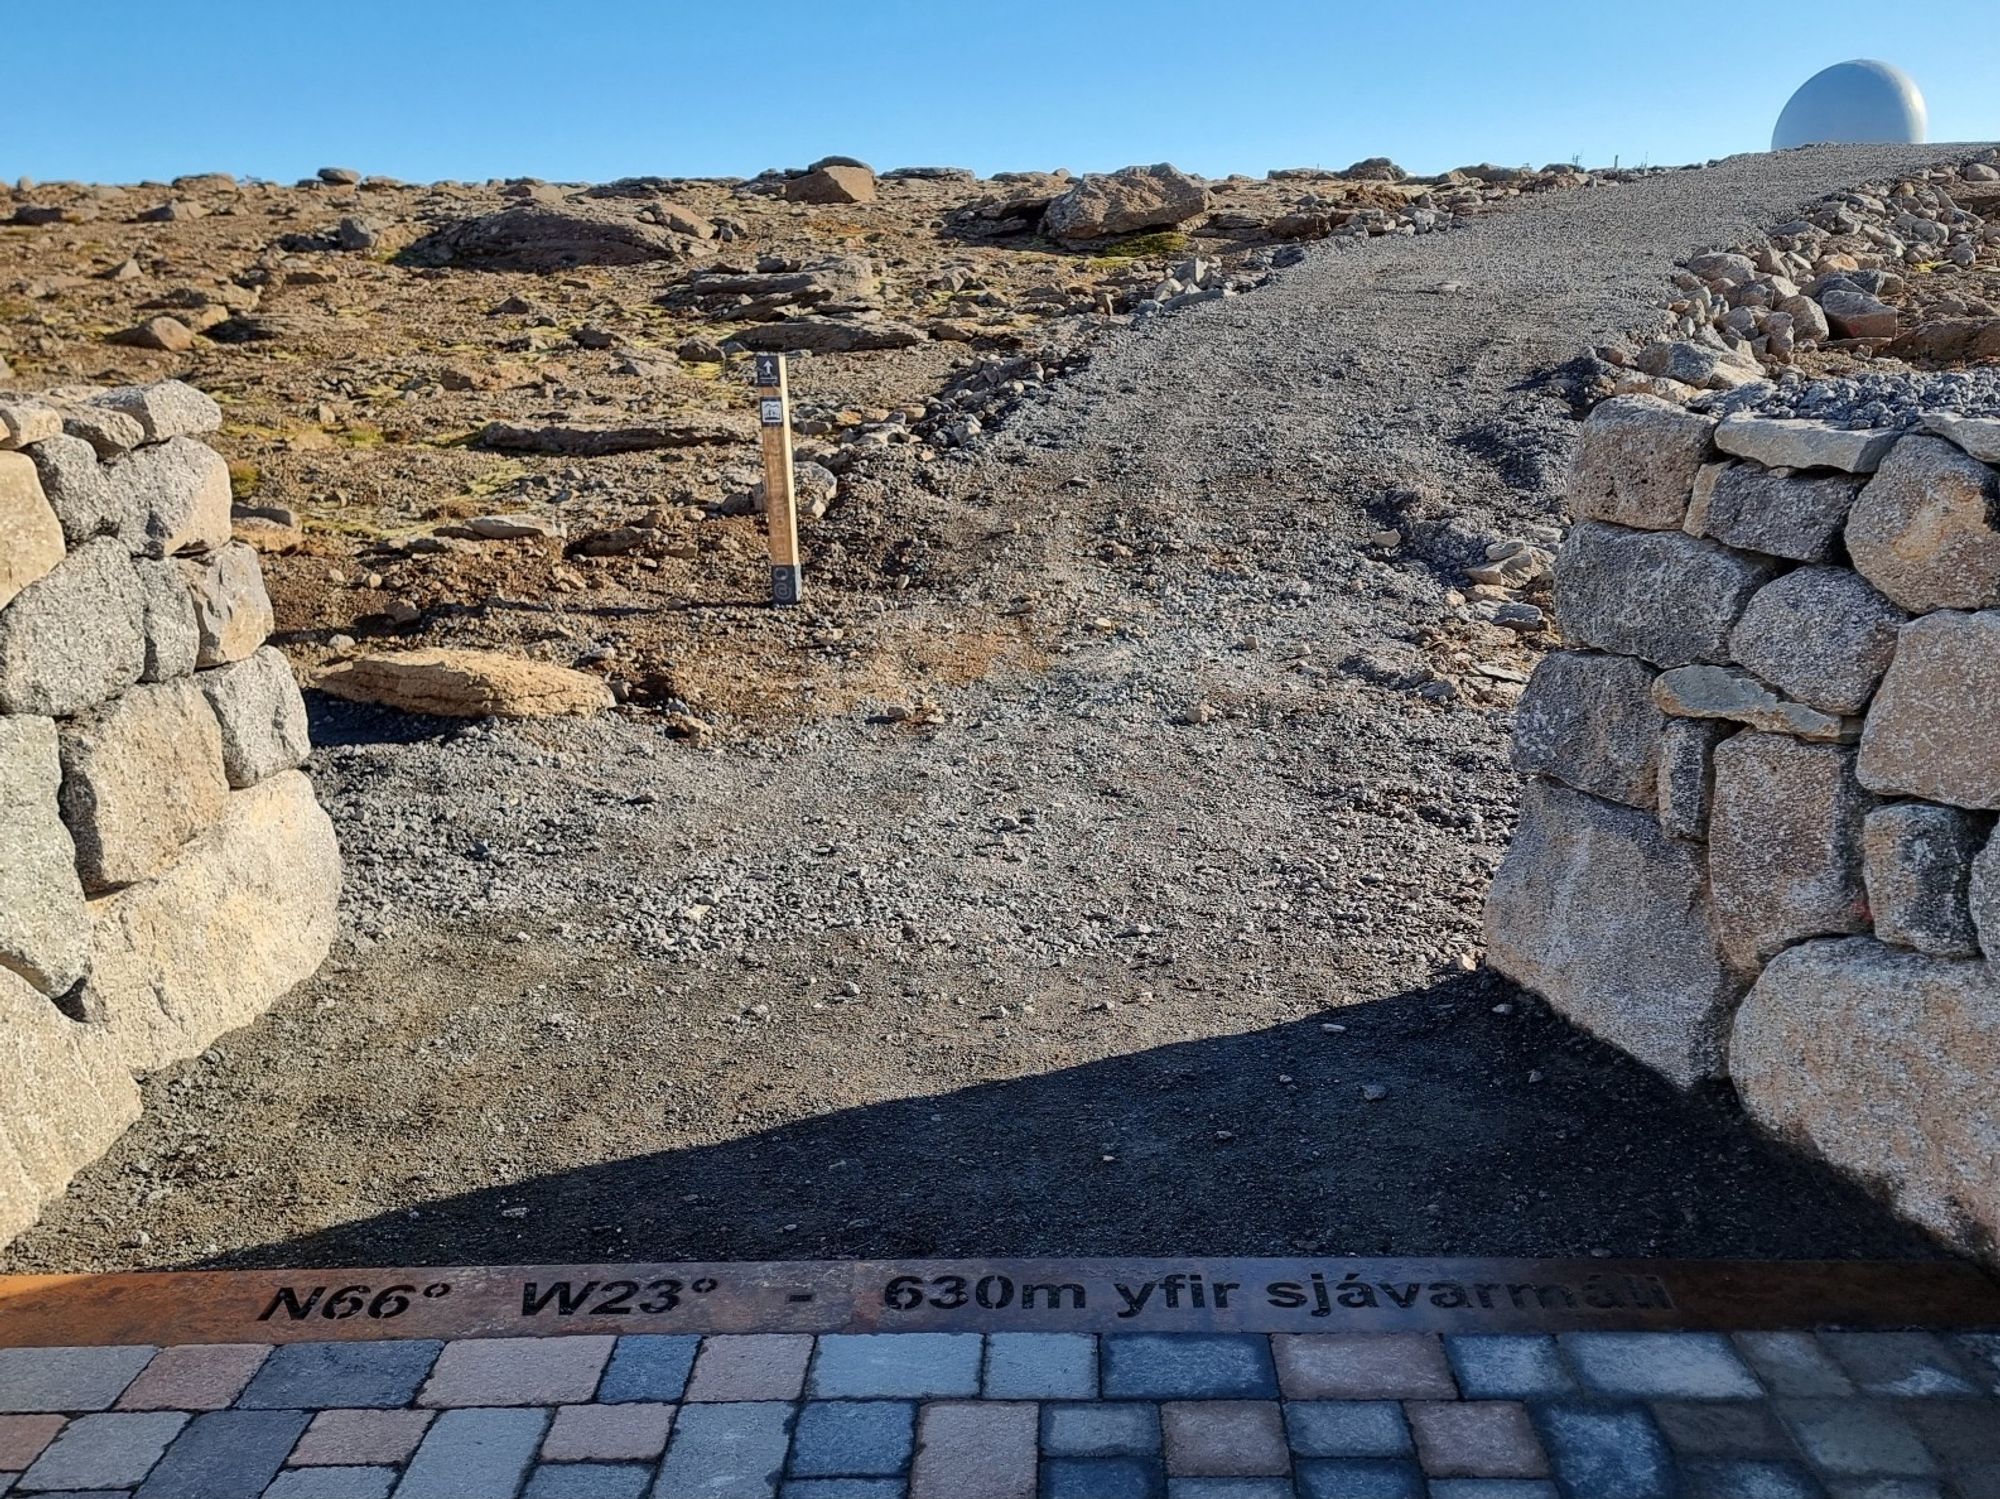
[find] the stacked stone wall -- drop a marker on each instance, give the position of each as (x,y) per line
(165,872)
(1758,838)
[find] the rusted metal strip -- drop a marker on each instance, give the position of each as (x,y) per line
(1084,1295)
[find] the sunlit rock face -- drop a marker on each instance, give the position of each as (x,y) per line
(1853,103)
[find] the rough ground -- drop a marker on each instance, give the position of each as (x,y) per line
(1059,973)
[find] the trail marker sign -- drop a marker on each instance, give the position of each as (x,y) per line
(781,509)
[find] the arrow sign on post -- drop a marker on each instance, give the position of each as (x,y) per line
(781,508)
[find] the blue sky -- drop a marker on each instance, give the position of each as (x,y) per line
(590,89)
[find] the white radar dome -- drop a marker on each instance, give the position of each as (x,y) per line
(1853,103)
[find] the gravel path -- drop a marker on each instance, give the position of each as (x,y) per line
(1062,974)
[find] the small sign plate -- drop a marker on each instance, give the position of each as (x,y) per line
(771,411)
(766,370)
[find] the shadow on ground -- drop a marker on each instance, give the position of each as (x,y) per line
(1505,1133)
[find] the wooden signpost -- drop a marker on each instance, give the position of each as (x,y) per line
(781,510)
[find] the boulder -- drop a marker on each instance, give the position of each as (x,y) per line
(1699,366)
(1604,915)
(73,637)
(1772,510)
(44,931)
(1636,461)
(1926,529)
(231,609)
(1127,201)
(64,1099)
(842,282)
(1719,692)
(1934,728)
(1661,595)
(1855,314)
(168,408)
(1822,635)
(595,438)
(814,488)
(142,774)
(24,423)
(76,487)
(1786,442)
(1687,774)
(246,911)
(1882,1061)
(1784,845)
(167,620)
(833,184)
(1959,340)
(261,714)
(534,235)
(1917,864)
(174,498)
(1589,721)
(467,684)
(1375,169)
(168,335)
(31,538)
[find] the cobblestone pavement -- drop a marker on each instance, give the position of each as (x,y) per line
(957,1415)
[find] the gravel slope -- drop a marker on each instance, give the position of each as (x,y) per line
(1062,974)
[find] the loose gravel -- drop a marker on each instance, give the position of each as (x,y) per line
(1168,946)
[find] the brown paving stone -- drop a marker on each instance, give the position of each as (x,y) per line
(1225,1438)
(608,1433)
(751,1366)
(1363,1366)
(516,1371)
(352,1438)
(1476,1439)
(22,1439)
(975,1450)
(194,1377)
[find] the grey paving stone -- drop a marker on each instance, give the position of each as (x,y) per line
(1792,1363)
(1230,1488)
(474,1451)
(332,1483)
(1858,1437)
(1347,1428)
(518,1371)
(1901,1363)
(1723,1428)
(1358,1478)
(1747,1478)
(648,1366)
(589,1481)
(1980,1352)
(1605,1451)
(1102,1478)
(1508,1366)
(895,1366)
(728,1450)
(226,1455)
(1041,1366)
(1492,1488)
(845,1488)
(1885,1488)
(1188,1366)
(101,1452)
(1661,1365)
(316,1376)
(853,1438)
(67,1379)
(1965,1436)
(1101,1429)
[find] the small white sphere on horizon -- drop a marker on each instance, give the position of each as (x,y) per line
(1853,103)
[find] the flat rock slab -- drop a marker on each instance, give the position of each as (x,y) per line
(1596,909)
(1784,442)
(1722,693)
(595,439)
(467,684)
(1883,1062)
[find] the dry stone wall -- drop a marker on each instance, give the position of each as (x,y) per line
(1758,839)
(165,872)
